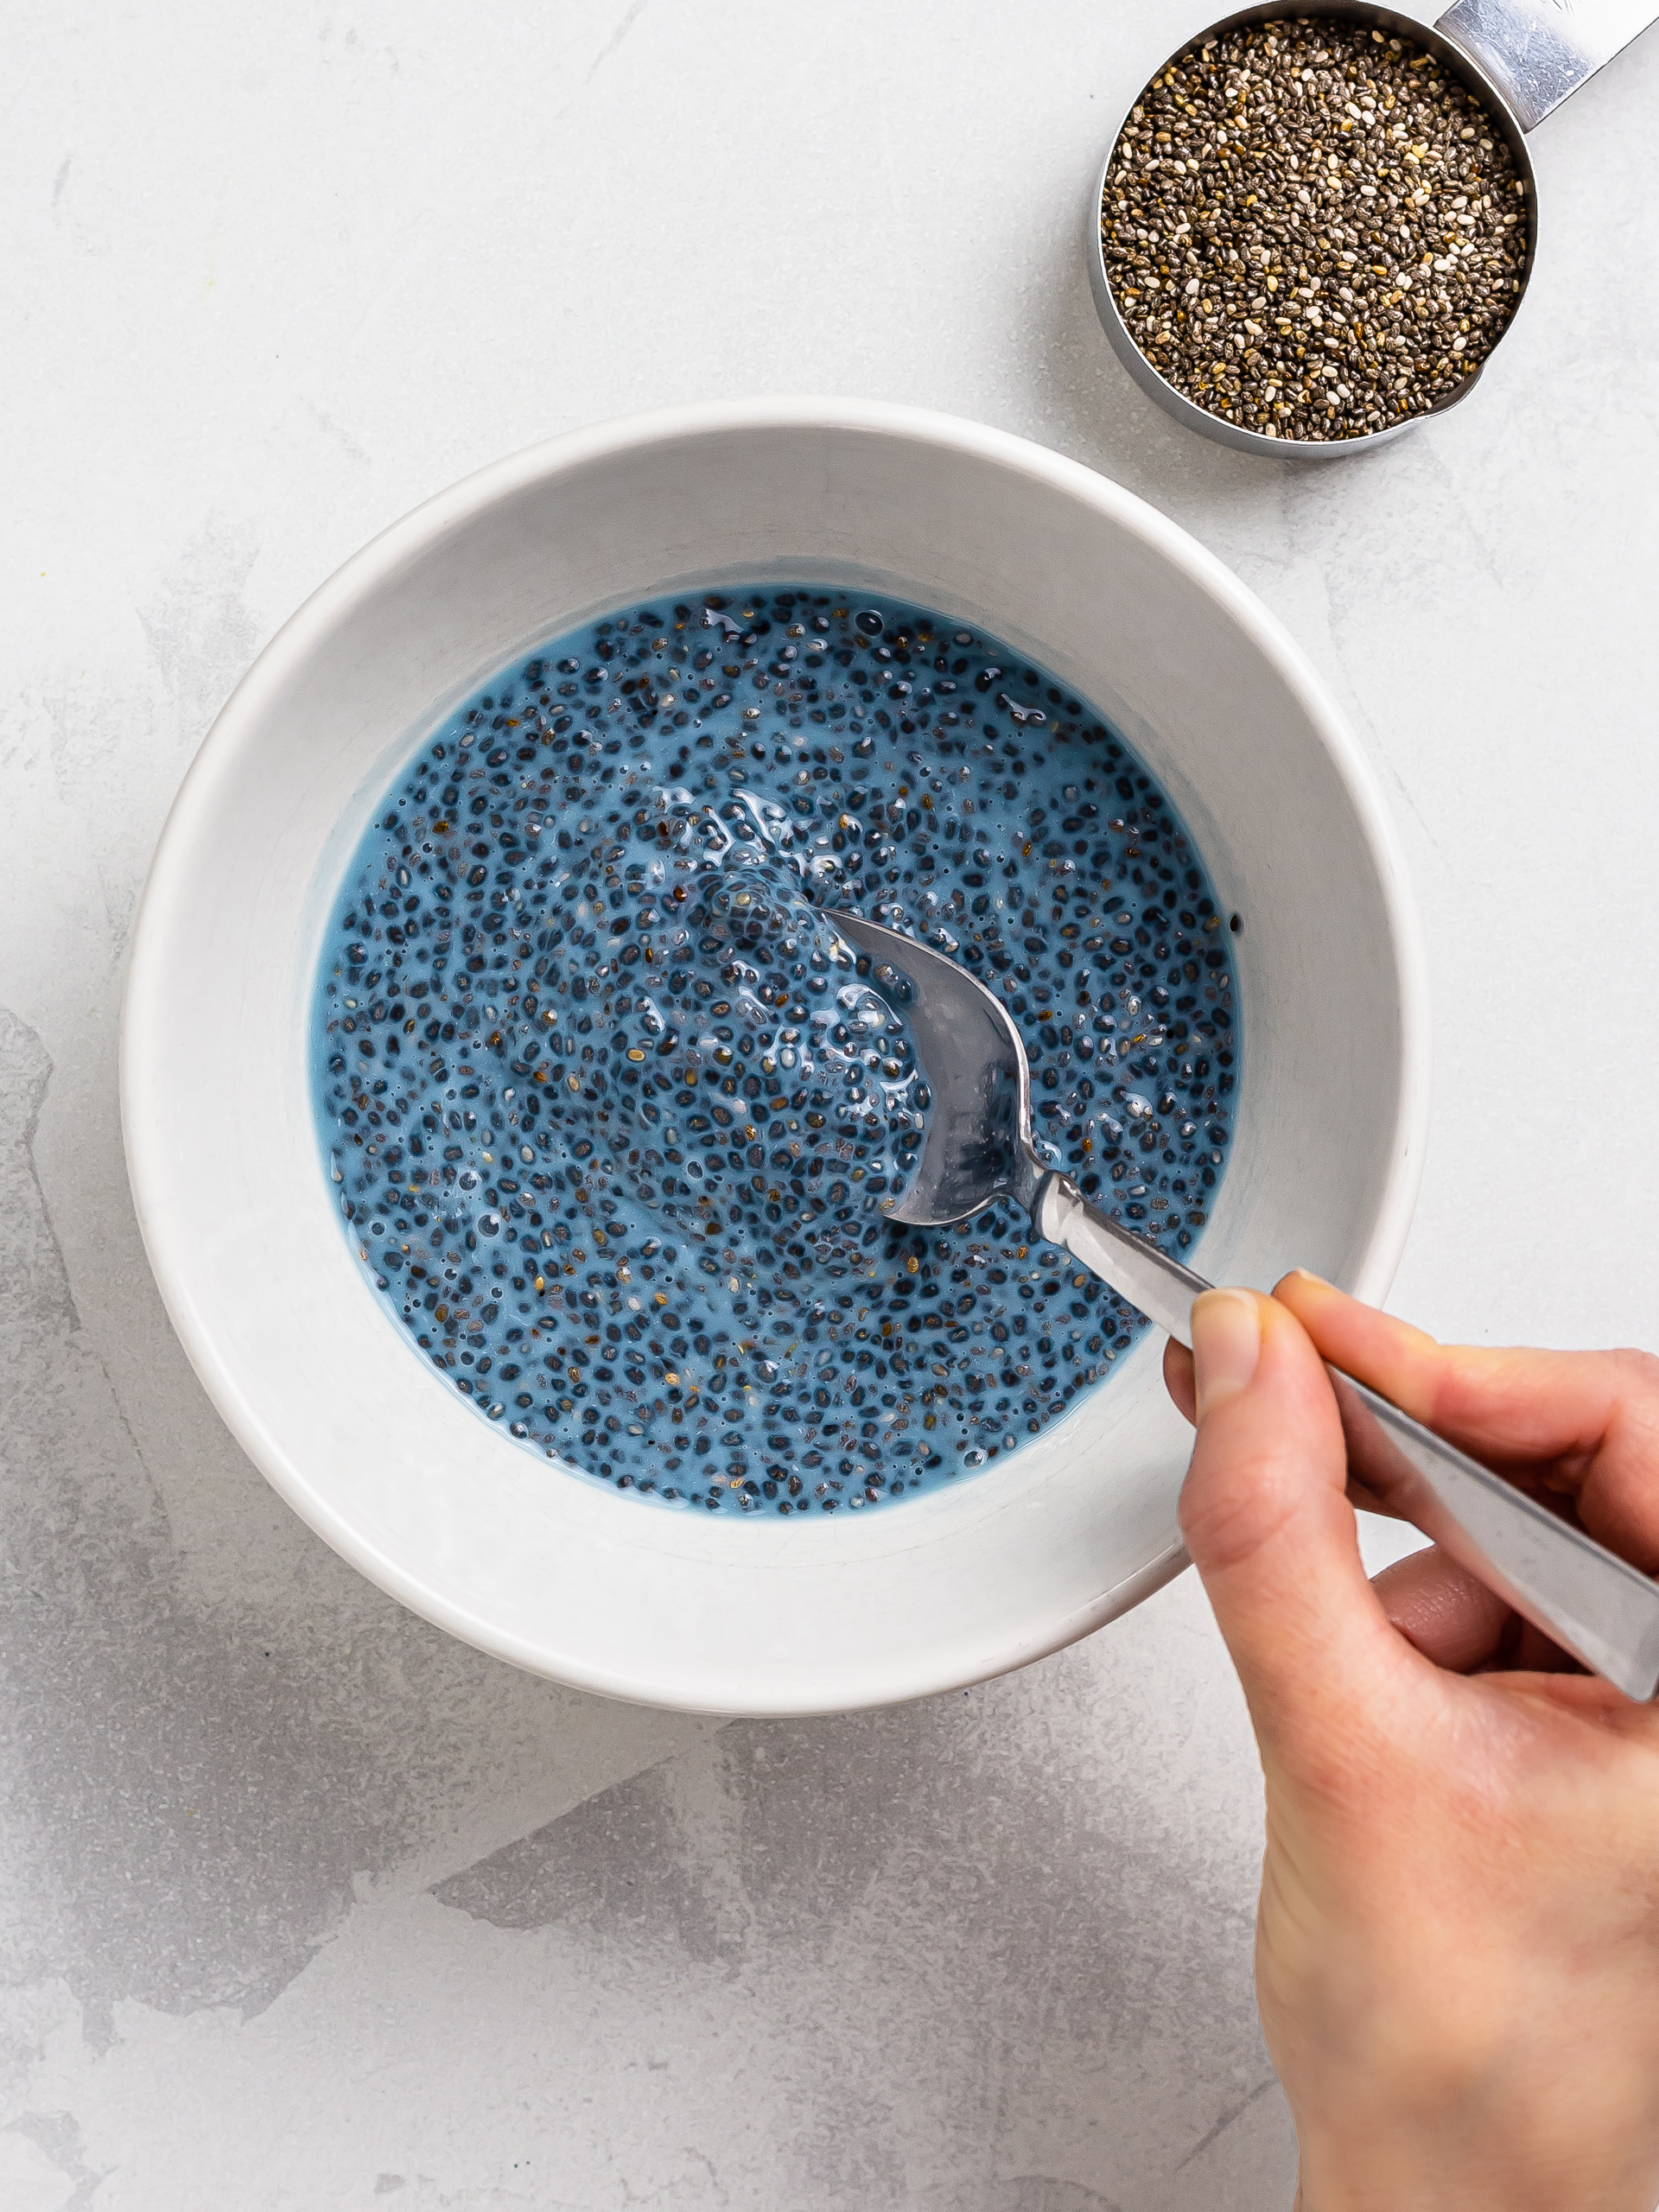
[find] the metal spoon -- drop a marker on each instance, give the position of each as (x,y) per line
(1520,58)
(978,1148)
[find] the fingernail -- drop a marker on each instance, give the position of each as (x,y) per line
(1308,1275)
(1226,1345)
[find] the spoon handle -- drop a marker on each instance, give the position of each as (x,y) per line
(1155,1285)
(1582,1596)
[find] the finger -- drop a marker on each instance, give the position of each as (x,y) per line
(1459,1625)
(1439,1606)
(1587,1423)
(1178,1381)
(1178,1378)
(1268,1526)
(1529,1651)
(1525,1406)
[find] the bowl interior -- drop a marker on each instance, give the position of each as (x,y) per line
(325,1392)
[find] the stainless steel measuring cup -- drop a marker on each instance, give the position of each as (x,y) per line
(1520,58)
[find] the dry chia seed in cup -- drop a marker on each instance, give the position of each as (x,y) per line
(611,1120)
(1313,229)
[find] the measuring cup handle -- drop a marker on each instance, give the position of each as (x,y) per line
(1538,51)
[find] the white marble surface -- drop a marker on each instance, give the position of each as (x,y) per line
(301,1904)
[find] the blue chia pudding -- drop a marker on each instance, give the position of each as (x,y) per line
(614,1120)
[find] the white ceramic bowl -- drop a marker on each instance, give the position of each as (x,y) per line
(324,1391)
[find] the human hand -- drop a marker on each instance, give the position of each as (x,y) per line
(1458,1940)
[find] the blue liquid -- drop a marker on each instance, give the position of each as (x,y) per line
(612,1122)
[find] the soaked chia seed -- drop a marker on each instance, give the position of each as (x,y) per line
(614,1122)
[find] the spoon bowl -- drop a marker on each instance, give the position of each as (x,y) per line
(978,1145)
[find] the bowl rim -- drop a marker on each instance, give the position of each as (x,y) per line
(236,726)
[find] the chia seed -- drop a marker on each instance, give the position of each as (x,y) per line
(1314,230)
(614,1125)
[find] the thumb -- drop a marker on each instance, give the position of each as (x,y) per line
(1269,1528)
